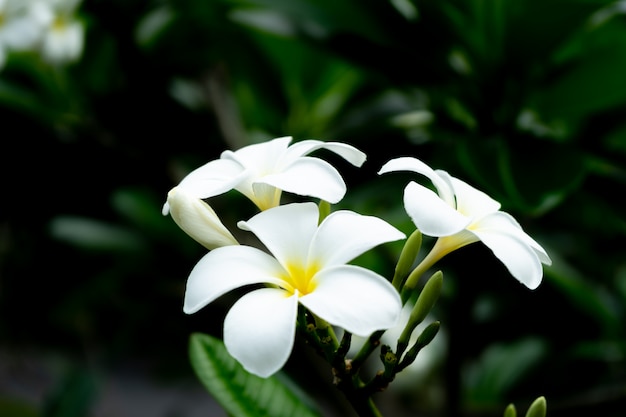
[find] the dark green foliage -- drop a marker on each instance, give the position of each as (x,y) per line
(525,99)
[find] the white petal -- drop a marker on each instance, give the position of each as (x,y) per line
(213,178)
(225,269)
(432,215)
(63,44)
(472,202)
(344,235)
(286,230)
(506,223)
(441,183)
(198,220)
(259,330)
(347,152)
(519,258)
(261,158)
(355,299)
(309,177)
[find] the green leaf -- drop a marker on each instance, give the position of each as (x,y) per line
(239,392)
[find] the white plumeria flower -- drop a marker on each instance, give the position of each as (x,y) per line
(260,172)
(459,214)
(308,266)
(64,34)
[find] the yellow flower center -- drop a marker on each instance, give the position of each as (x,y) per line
(265,196)
(300,277)
(59,23)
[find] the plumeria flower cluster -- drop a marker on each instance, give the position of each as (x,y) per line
(48,27)
(301,279)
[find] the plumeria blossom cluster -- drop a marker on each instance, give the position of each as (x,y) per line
(301,280)
(50,28)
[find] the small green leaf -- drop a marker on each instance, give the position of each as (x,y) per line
(240,393)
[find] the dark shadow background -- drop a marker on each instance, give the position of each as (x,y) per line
(525,99)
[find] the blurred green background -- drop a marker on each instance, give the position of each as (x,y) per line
(525,99)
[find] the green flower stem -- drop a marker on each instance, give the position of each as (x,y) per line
(342,350)
(327,339)
(366,350)
(364,405)
(423,339)
(360,400)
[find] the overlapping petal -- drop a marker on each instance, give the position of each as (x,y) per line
(259,330)
(286,231)
(311,177)
(470,201)
(430,213)
(441,183)
(225,269)
(263,171)
(355,299)
(518,257)
(305,147)
(344,235)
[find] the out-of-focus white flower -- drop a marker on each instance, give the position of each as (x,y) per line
(20,27)
(63,35)
(49,27)
(459,214)
(308,266)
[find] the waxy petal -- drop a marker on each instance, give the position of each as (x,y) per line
(518,257)
(347,152)
(344,235)
(225,269)
(355,299)
(507,224)
(286,230)
(309,177)
(213,178)
(259,330)
(198,220)
(441,183)
(431,215)
(260,158)
(472,202)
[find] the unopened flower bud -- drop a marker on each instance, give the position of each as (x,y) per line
(425,302)
(197,219)
(510,411)
(537,408)
(407,257)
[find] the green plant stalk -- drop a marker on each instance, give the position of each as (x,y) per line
(366,350)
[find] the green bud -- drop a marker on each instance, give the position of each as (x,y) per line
(324,209)
(423,339)
(510,411)
(425,302)
(407,257)
(538,408)
(429,333)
